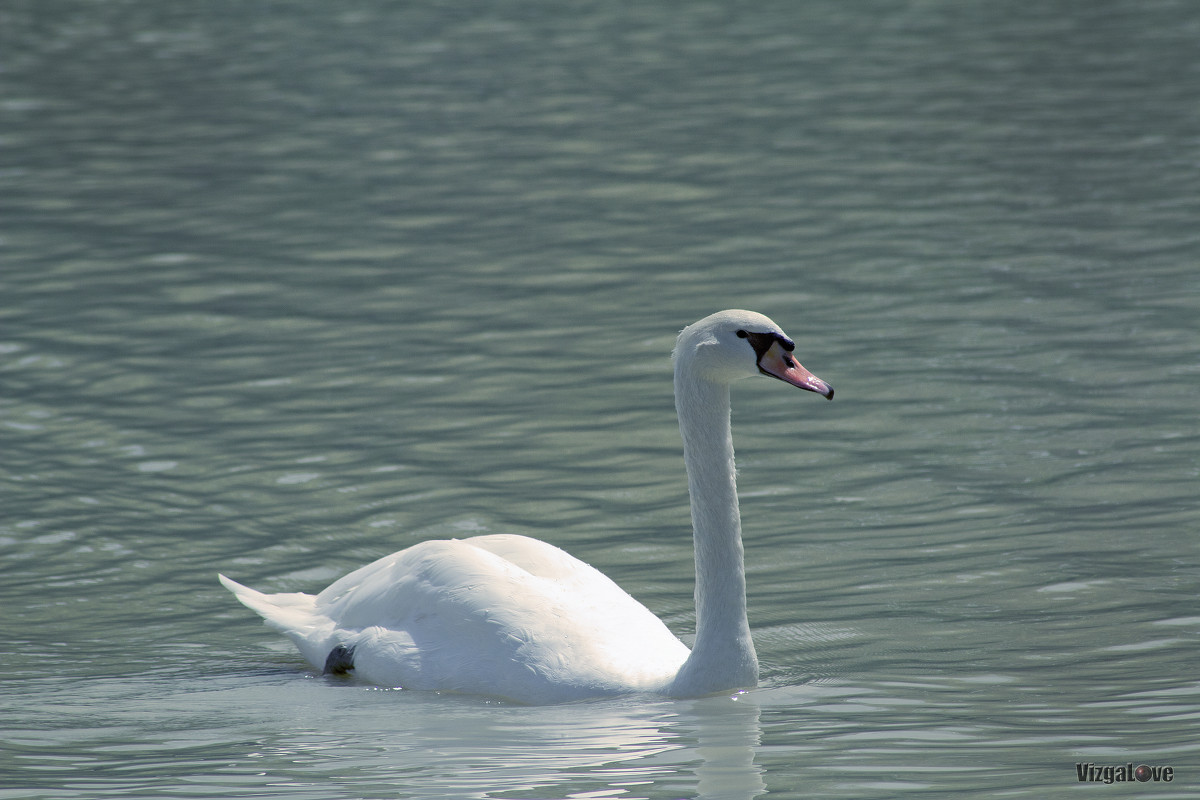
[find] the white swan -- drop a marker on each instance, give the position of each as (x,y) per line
(513,617)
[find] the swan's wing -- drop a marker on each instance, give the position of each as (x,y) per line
(535,556)
(504,615)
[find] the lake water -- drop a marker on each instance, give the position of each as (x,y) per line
(286,287)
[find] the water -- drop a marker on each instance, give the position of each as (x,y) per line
(286,288)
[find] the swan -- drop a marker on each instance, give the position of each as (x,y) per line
(513,617)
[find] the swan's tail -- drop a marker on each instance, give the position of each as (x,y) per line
(293,613)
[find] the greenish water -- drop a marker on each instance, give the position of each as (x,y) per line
(286,288)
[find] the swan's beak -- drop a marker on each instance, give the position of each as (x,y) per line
(778,363)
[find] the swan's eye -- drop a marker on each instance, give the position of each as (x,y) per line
(742,334)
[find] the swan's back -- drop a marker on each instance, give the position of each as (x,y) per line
(499,615)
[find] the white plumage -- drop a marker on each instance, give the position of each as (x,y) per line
(514,617)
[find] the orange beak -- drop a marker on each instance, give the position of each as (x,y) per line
(778,363)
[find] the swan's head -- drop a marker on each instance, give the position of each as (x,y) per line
(731,345)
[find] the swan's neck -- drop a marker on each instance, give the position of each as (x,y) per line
(723,656)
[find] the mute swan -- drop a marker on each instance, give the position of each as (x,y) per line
(513,617)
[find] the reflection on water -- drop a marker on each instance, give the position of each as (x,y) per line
(281,292)
(297,737)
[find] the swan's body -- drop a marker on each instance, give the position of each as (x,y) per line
(514,617)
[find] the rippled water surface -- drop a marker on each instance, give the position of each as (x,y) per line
(287,287)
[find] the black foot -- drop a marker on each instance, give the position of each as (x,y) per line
(340,660)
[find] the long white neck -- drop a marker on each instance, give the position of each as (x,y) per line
(723,656)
